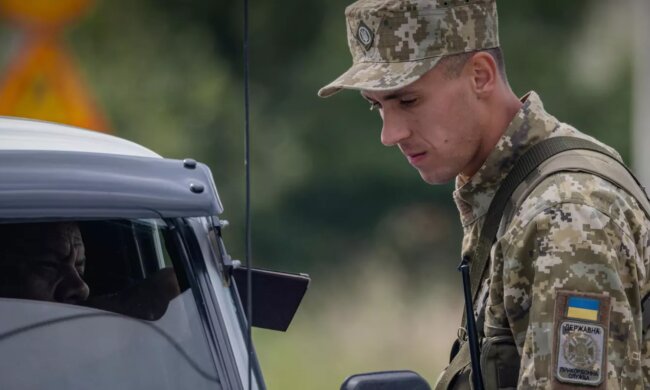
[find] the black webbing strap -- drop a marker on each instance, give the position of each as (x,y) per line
(524,166)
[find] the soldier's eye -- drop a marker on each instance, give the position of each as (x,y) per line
(374,105)
(408,101)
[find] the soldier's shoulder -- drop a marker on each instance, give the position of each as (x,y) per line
(585,190)
(579,188)
(564,129)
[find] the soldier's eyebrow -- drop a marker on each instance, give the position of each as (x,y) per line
(393,96)
(390,95)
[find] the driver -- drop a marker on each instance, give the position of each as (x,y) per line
(43,261)
(46,262)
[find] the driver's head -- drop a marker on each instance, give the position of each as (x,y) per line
(42,261)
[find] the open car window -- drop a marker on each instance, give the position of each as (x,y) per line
(101,304)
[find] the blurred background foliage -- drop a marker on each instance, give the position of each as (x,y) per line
(328,199)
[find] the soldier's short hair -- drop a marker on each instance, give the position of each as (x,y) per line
(453,64)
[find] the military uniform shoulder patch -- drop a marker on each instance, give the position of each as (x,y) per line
(580,340)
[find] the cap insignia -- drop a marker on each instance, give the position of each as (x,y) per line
(365,35)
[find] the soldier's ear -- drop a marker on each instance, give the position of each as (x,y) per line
(483,72)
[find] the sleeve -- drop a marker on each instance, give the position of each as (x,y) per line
(575,248)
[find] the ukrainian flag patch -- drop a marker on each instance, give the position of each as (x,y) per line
(582,308)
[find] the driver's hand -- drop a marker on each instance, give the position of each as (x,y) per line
(147,300)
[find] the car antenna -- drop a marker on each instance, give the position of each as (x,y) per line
(247,164)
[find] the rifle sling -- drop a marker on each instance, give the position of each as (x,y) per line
(526,164)
(543,152)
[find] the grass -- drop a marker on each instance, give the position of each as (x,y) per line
(372,319)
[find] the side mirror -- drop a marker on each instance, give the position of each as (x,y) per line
(386,380)
(276,296)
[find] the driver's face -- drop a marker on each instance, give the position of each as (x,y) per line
(49,262)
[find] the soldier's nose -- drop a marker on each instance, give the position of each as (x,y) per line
(393,131)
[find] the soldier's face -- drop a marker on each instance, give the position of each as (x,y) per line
(48,262)
(434,123)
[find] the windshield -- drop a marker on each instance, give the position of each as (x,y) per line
(99,304)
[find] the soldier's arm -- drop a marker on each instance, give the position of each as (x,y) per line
(578,249)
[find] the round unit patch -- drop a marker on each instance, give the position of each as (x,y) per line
(581,350)
(365,35)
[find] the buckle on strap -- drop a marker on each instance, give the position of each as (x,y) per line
(461,334)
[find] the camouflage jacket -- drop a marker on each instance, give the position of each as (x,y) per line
(574,232)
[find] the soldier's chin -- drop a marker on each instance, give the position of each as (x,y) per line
(436,177)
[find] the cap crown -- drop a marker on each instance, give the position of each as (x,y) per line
(411,30)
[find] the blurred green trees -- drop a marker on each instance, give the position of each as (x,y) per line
(169,75)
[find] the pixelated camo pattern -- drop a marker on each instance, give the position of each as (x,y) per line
(409,37)
(575,231)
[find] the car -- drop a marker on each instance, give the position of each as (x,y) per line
(113,269)
(114,273)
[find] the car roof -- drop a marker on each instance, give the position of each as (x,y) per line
(49,170)
(29,134)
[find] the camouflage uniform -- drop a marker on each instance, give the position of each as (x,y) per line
(575,231)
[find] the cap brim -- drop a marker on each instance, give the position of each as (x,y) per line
(379,76)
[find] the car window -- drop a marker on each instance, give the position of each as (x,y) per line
(98,304)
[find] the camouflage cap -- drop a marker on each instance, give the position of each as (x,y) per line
(394,42)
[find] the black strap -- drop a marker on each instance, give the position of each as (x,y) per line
(524,166)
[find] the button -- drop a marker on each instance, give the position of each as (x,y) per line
(197,188)
(189,163)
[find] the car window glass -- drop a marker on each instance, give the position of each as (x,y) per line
(101,304)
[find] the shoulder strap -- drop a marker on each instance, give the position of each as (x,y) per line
(460,362)
(606,167)
(545,158)
(596,164)
(526,164)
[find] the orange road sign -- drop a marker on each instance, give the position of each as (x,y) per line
(43,12)
(41,83)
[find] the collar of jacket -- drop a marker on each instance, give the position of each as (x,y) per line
(530,125)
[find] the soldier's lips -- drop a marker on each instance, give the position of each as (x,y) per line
(415,158)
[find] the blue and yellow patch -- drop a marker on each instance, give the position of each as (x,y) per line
(583,308)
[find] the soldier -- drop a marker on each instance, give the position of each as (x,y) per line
(561,303)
